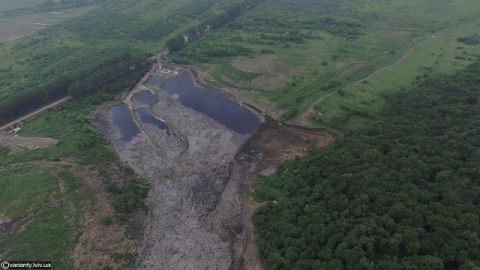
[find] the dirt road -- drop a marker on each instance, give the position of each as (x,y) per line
(23,118)
(404,56)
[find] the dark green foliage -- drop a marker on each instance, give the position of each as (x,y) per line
(229,13)
(129,197)
(80,72)
(470,40)
(403,194)
(107,221)
(126,259)
(112,24)
(175,44)
(204,51)
(289,22)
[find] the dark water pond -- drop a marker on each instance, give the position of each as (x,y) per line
(147,117)
(122,119)
(145,97)
(8,226)
(154,81)
(214,105)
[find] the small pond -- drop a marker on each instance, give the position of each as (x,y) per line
(154,81)
(122,119)
(145,97)
(147,117)
(214,105)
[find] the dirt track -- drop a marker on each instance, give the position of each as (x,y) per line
(17,143)
(404,56)
(23,118)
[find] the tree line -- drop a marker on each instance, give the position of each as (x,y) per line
(230,13)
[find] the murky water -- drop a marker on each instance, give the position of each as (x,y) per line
(122,119)
(154,81)
(145,97)
(8,226)
(214,105)
(146,117)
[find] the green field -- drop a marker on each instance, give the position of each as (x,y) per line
(40,193)
(295,54)
(8,5)
(439,54)
(19,18)
(31,195)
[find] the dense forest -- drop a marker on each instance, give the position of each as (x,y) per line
(230,13)
(401,194)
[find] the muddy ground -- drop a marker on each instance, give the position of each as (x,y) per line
(199,210)
(16,143)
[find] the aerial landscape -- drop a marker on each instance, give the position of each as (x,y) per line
(240,134)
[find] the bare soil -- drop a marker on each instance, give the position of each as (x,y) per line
(16,143)
(199,211)
(271,145)
(262,63)
(276,80)
(99,244)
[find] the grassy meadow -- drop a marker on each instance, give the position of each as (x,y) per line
(291,55)
(20,18)
(39,190)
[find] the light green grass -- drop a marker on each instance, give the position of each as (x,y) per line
(30,195)
(16,4)
(330,62)
(438,54)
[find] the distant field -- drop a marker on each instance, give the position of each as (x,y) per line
(17,19)
(6,5)
(286,57)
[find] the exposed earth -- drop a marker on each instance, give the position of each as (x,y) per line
(201,173)
(16,143)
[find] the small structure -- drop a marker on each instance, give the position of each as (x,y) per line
(309,114)
(168,71)
(14,131)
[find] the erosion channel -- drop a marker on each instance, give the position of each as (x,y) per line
(201,152)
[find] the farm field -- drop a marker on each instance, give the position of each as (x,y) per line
(272,58)
(20,18)
(8,5)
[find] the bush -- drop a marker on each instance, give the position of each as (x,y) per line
(107,221)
